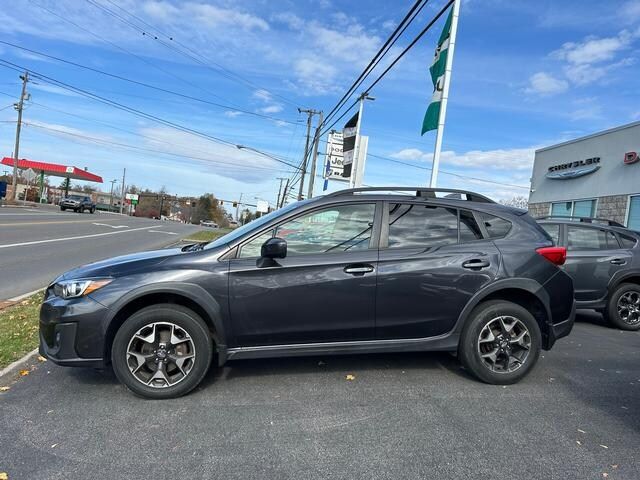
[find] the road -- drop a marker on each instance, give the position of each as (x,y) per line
(407,416)
(37,244)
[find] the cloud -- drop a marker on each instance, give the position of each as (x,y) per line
(263,95)
(159,9)
(232,113)
(316,76)
(271,109)
(293,21)
(52,89)
(542,83)
(515,159)
(213,16)
(593,50)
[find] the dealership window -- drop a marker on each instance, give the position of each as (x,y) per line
(633,222)
(578,208)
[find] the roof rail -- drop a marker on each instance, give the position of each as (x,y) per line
(611,223)
(423,192)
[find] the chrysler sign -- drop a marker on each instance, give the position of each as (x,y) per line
(575,169)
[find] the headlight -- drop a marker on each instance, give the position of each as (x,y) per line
(79,288)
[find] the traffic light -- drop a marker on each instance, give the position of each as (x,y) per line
(235,204)
(221,202)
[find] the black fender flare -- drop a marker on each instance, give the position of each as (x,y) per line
(191,291)
(619,277)
(526,284)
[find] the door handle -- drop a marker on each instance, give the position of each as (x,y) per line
(618,261)
(358,269)
(476,264)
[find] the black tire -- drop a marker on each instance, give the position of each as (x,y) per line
(93,210)
(615,317)
(76,210)
(180,316)
(469,349)
(82,209)
(62,208)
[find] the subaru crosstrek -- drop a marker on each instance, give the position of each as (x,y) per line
(603,259)
(356,271)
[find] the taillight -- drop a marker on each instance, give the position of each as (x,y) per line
(556,255)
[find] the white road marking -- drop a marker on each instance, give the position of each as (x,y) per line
(160,231)
(73,238)
(112,226)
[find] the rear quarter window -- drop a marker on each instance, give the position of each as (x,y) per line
(626,241)
(496,227)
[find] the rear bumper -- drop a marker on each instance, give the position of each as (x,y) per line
(562,329)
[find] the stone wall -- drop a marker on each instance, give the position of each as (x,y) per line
(539,209)
(613,207)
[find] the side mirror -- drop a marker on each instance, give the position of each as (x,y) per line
(274,248)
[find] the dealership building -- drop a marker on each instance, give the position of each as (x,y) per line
(593,176)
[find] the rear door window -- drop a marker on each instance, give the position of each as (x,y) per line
(469,228)
(417,225)
(579,238)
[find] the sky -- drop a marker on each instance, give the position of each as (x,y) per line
(526,74)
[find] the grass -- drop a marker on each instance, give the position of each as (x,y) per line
(19,329)
(207,235)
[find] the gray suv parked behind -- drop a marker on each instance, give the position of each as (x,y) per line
(603,258)
(356,271)
(77,203)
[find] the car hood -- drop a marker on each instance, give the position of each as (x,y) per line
(122,265)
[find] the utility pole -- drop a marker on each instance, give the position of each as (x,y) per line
(310,113)
(284,194)
(238,209)
(314,156)
(279,191)
(124,173)
(111,194)
(18,107)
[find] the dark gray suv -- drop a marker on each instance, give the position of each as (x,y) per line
(356,271)
(603,258)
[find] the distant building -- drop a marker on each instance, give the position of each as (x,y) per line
(593,176)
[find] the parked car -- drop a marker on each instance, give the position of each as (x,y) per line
(77,203)
(603,258)
(209,223)
(356,271)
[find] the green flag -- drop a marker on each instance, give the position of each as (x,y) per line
(437,70)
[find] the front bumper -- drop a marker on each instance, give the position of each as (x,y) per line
(71,331)
(69,205)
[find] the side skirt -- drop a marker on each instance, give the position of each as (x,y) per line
(448,342)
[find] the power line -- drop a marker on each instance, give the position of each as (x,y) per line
(395,35)
(147,85)
(196,56)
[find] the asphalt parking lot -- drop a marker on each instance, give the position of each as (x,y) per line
(403,416)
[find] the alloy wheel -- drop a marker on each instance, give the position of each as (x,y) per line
(504,344)
(160,354)
(629,307)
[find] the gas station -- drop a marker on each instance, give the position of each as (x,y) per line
(53,170)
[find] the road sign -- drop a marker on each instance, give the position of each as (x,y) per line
(262,206)
(132,196)
(333,159)
(134,201)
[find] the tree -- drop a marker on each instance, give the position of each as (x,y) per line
(517,201)
(208,208)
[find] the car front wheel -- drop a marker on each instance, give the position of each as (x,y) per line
(623,310)
(162,351)
(500,343)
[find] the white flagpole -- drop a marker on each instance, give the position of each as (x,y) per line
(354,162)
(445,93)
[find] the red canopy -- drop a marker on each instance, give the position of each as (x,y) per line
(54,169)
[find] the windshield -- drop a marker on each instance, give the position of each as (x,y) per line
(254,225)
(75,197)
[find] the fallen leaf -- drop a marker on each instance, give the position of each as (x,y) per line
(604,446)
(605,474)
(24,373)
(350,377)
(614,466)
(4,476)
(578,442)
(4,389)
(41,358)
(581,431)
(54,445)
(49,411)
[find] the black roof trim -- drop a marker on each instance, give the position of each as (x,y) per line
(423,192)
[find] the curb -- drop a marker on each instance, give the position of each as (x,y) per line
(18,363)
(26,295)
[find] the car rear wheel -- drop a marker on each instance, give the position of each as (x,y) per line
(623,310)
(500,343)
(162,351)
(93,210)
(62,208)
(82,209)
